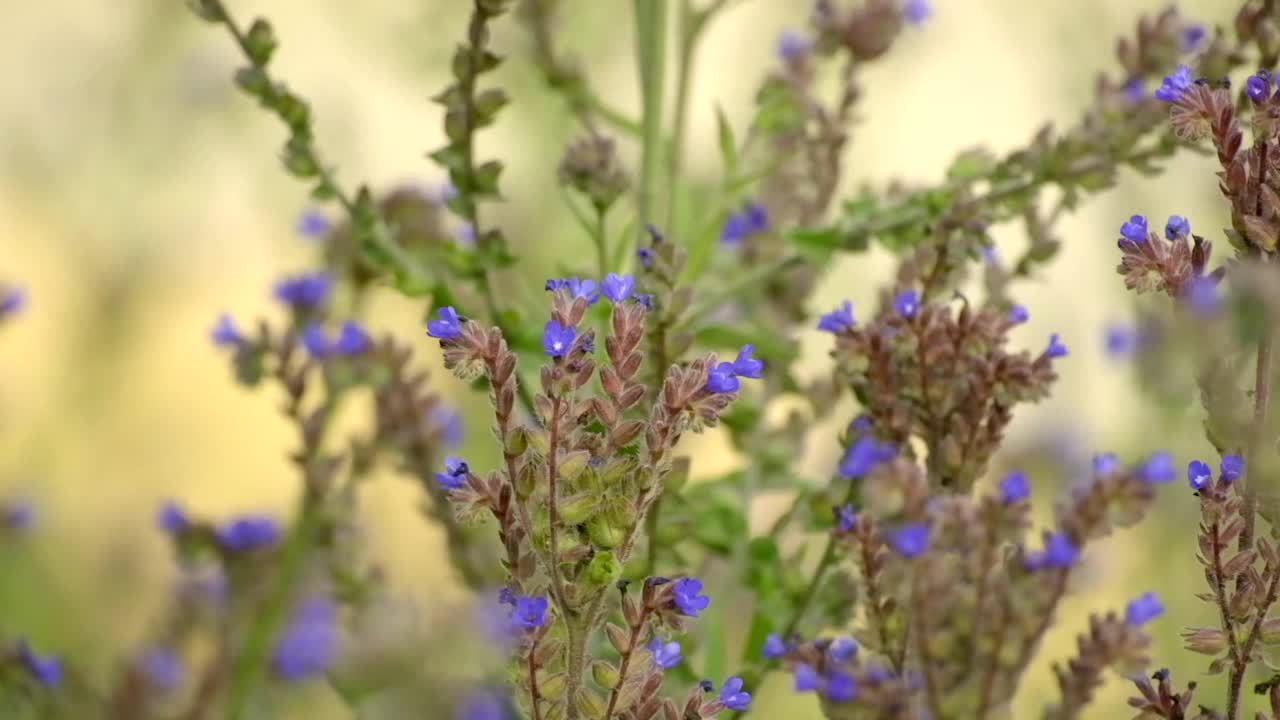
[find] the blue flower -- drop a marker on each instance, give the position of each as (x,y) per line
(1143,609)
(666,655)
(1176,84)
(305,292)
(507,596)
(733,696)
(455,472)
(12,301)
(846,518)
(1056,348)
(1019,314)
(646,257)
(1192,36)
(751,220)
(645,299)
(448,327)
(843,649)
(1135,90)
(618,287)
(1258,86)
(1105,463)
(1232,467)
(163,668)
(907,303)
(18,515)
(807,679)
(313,223)
(172,518)
(1135,229)
(1177,227)
(557,339)
(484,705)
(910,540)
(1015,487)
(775,648)
(688,596)
(530,613)
(249,532)
(1159,469)
(1199,475)
(722,379)
(1203,296)
(1059,552)
(225,333)
(917,11)
(747,366)
(840,687)
(838,320)
(1121,340)
(46,669)
(576,287)
(352,340)
(315,340)
(793,45)
(864,455)
(309,644)
(451,425)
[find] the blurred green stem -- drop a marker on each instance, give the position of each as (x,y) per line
(651,49)
(600,234)
(691,24)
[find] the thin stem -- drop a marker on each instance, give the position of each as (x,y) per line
(553,503)
(535,698)
(651,28)
(633,642)
(692,22)
(1246,652)
(600,235)
(989,672)
(1261,410)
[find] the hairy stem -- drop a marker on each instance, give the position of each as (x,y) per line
(633,643)
(535,697)
(553,504)
(1246,652)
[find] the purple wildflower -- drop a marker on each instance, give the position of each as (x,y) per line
(751,220)
(864,455)
(907,303)
(305,292)
(843,649)
(1192,36)
(557,338)
(225,333)
(309,644)
(1232,467)
(1135,229)
(455,473)
(1105,463)
(1019,314)
(1199,475)
(618,287)
(1059,552)
(775,648)
(840,687)
(910,540)
(747,366)
(163,668)
(12,301)
(1159,469)
(484,705)
(1177,227)
(1258,86)
(1144,609)
(1056,347)
(448,327)
(846,518)
(576,287)
(172,518)
(1015,487)
(249,532)
(723,379)
(733,696)
(1121,340)
(793,45)
(18,515)
(1203,296)
(46,669)
(646,257)
(1176,84)
(688,596)
(917,11)
(316,340)
(666,655)
(352,340)
(530,613)
(838,320)
(451,425)
(807,679)
(313,224)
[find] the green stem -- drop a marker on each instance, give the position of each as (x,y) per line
(600,235)
(250,666)
(651,30)
(691,24)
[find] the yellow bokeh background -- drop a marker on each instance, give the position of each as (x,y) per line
(141,195)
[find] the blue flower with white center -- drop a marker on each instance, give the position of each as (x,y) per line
(723,379)
(163,669)
(840,687)
(352,340)
(618,287)
(1135,229)
(688,597)
(46,669)
(225,333)
(313,224)
(775,648)
(666,655)
(1177,227)
(455,473)
(1056,347)
(1019,314)
(1258,86)
(248,533)
(1199,475)
(305,292)
(1159,469)
(838,320)
(1176,84)
(911,540)
(747,366)
(309,645)
(907,303)
(864,455)
(733,696)
(448,327)
(172,518)
(557,338)
(1232,467)
(1015,487)
(1143,609)
(530,613)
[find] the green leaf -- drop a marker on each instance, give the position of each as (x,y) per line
(728,145)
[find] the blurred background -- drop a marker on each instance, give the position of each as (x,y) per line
(141,195)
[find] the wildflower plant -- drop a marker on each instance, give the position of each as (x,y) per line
(913,582)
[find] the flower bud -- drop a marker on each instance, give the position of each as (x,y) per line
(1206,641)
